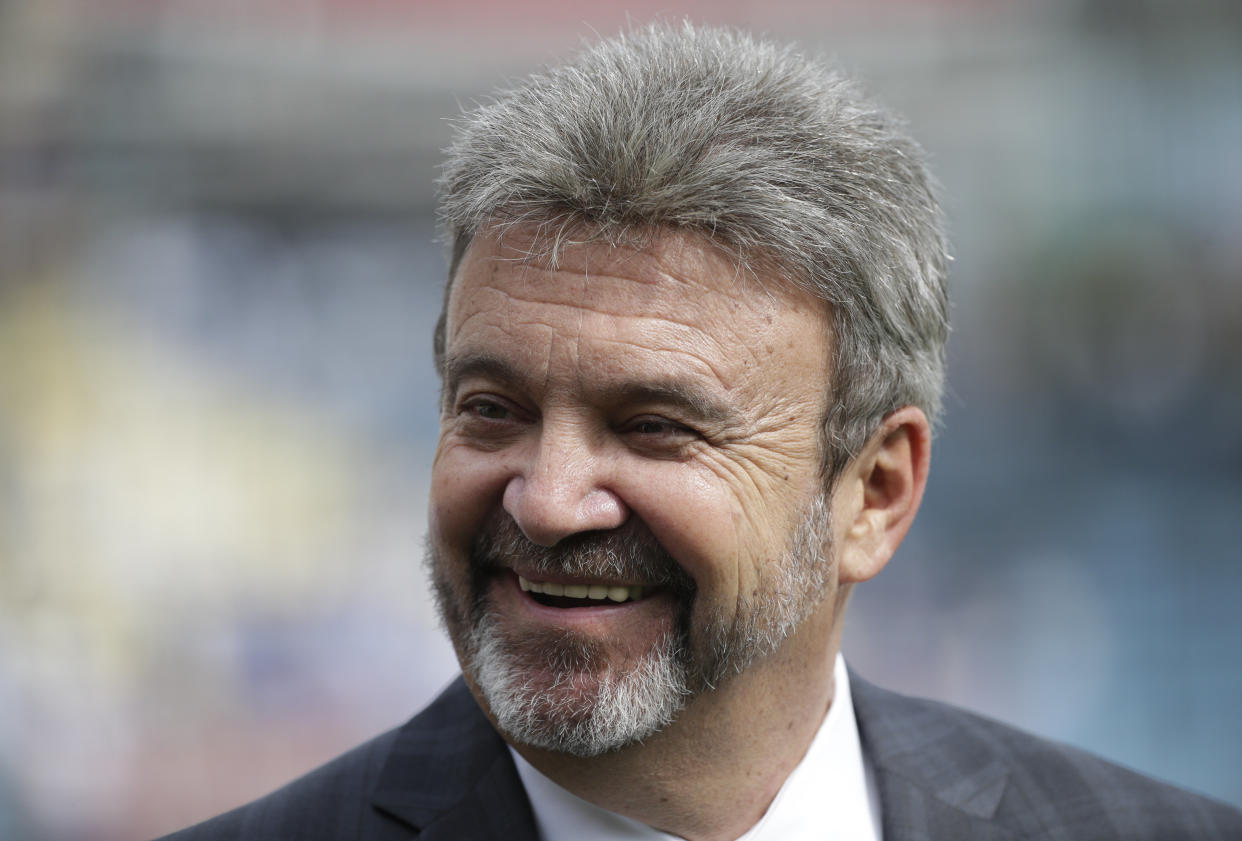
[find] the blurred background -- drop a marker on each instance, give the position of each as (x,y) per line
(218,277)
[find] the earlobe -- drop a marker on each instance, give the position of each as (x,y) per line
(879,494)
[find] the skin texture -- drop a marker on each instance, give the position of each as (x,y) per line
(661,385)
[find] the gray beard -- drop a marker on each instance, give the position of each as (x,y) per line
(586,706)
(589,708)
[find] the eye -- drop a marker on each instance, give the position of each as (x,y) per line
(653,426)
(653,430)
(488,411)
(488,408)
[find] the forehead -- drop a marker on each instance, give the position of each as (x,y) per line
(673,269)
(673,302)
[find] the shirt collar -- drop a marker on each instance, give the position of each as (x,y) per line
(831,791)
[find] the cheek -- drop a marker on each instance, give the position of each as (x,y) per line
(697,519)
(466,487)
(724,533)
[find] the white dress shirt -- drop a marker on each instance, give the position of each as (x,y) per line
(831,794)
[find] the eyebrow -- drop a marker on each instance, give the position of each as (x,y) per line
(458,368)
(693,401)
(698,404)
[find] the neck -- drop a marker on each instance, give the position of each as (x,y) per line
(712,774)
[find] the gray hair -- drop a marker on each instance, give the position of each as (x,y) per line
(775,158)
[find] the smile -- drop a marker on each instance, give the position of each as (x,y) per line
(556,594)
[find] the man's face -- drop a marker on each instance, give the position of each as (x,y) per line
(626,498)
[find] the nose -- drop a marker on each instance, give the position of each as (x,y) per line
(561,492)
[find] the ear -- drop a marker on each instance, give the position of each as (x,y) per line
(877,497)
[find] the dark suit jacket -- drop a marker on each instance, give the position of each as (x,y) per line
(943,775)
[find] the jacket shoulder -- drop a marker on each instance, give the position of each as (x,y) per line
(1037,787)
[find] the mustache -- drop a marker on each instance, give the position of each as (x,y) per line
(630,553)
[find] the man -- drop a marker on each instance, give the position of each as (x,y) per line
(692,351)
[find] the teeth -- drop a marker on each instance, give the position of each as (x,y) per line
(594,592)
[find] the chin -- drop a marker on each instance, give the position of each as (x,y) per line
(563,695)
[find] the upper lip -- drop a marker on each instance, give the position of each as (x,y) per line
(558,578)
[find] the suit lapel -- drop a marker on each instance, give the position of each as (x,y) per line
(449,776)
(935,780)
(913,813)
(497,807)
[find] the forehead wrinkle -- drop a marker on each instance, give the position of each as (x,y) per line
(582,305)
(638,268)
(669,256)
(666,352)
(547,287)
(539,312)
